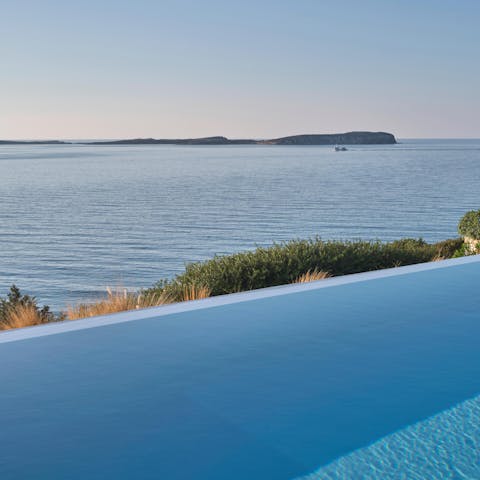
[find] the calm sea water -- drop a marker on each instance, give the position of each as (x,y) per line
(75,219)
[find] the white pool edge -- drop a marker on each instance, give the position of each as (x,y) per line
(132,315)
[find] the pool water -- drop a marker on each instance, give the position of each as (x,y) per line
(366,376)
(446,445)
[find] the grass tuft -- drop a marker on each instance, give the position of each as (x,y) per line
(121,300)
(312,276)
(117,300)
(194,292)
(21,316)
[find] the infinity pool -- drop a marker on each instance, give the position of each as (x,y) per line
(369,376)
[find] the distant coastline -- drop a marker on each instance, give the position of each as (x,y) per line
(348,138)
(33,142)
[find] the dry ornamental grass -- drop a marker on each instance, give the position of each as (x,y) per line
(312,276)
(21,316)
(120,300)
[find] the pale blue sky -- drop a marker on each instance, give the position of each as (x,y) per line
(115,68)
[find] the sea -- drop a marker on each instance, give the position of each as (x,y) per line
(76,219)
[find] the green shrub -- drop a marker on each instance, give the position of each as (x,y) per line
(469,225)
(449,248)
(283,263)
(462,251)
(19,310)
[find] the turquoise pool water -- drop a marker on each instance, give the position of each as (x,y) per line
(369,376)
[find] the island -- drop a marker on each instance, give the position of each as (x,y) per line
(349,138)
(177,141)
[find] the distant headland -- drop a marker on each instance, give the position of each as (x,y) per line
(33,142)
(349,138)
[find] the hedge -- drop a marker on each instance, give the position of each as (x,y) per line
(283,263)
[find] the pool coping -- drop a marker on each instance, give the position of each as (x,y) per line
(228,299)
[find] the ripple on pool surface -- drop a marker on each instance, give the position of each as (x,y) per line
(445,446)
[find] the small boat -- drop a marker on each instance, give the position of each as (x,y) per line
(340,149)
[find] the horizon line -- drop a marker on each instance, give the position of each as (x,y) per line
(79,139)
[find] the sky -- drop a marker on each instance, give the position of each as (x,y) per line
(258,69)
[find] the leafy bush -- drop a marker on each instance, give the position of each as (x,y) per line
(449,248)
(469,225)
(462,251)
(283,263)
(19,310)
